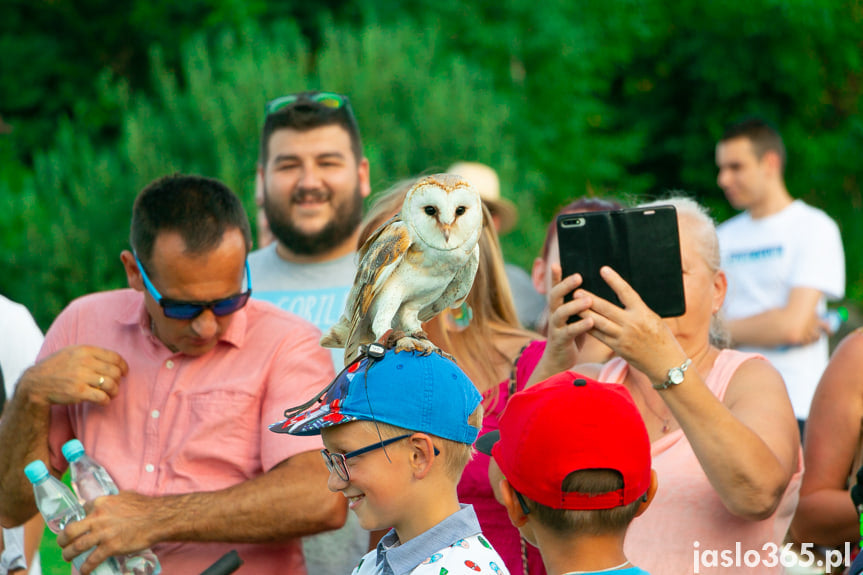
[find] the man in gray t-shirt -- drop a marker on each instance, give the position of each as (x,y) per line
(312,179)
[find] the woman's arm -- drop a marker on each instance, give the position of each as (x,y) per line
(747,446)
(825,514)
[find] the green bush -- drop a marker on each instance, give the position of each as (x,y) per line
(562,98)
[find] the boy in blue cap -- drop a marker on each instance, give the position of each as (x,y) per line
(398,430)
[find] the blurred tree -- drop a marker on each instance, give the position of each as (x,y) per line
(563,99)
(54,52)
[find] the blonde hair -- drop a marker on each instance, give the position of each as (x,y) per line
(703,230)
(490,298)
(456,454)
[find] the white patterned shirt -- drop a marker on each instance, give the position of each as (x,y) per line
(455,546)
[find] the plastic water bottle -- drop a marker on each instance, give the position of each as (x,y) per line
(59,507)
(835,318)
(90,480)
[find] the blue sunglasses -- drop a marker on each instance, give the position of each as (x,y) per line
(179,309)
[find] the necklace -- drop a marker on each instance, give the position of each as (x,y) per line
(666,421)
(621,566)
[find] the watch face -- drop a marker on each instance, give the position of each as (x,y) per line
(676,375)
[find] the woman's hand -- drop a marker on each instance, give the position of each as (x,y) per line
(564,340)
(633,331)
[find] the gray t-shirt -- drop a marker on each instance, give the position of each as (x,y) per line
(316,292)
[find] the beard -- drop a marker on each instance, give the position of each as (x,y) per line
(347,217)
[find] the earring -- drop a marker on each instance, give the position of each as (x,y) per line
(459,319)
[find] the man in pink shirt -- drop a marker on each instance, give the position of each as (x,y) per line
(169,385)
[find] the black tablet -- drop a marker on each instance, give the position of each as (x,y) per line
(641,244)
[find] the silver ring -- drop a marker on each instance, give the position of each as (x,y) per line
(101,380)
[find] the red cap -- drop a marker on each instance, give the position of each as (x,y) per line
(570,423)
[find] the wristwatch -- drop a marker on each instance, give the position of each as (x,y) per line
(675,375)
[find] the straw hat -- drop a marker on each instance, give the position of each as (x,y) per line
(486,182)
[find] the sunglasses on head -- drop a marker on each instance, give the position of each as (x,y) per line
(327,99)
(179,309)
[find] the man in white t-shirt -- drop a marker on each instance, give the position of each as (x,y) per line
(20,341)
(783,259)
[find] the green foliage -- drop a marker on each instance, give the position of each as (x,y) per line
(69,220)
(624,98)
(53,50)
(629,97)
(418,111)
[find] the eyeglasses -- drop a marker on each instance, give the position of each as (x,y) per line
(337,462)
(178,309)
(327,99)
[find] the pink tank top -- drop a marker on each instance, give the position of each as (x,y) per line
(686,529)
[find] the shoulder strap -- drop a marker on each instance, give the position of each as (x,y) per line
(513,373)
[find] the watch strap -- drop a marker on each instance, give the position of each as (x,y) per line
(668,381)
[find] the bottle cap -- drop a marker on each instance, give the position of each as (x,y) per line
(72,450)
(36,471)
(843,313)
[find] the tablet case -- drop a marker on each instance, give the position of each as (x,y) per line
(641,244)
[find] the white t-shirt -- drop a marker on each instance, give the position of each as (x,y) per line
(764,259)
(20,340)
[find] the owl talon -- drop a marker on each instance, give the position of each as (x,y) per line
(446,355)
(419,344)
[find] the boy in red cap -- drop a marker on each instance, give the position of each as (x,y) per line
(571,464)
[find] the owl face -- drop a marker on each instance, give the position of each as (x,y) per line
(444,212)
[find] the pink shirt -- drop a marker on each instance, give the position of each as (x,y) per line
(183,424)
(687,510)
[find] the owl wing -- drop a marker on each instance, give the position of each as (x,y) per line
(457,290)
(379,256)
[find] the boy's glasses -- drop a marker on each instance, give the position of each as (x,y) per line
(327,99)
(337,462)
(179,309)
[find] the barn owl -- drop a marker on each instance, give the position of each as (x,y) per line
(414,266)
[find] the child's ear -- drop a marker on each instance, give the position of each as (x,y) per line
(423,454)
(651,491)
(517,516)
